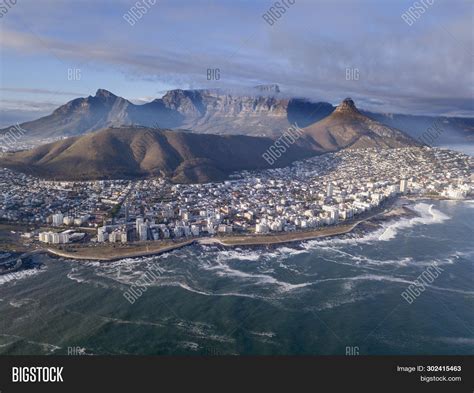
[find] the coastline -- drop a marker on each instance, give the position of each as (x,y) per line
(143,252)
(396,209)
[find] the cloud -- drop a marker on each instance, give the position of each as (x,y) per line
(40,91)
(425,68)
(28,105)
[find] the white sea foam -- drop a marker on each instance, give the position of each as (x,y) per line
(457,340)
(428,215)
(80,279)
(46,346)
(290,252)
(75,277)
(469,203)
(17,303)
(263,334)
(186,287)
(189,345)
(202,330)
(401,280)
(340,302)
(379,265)
(224,270)
(239,255)
(388,231)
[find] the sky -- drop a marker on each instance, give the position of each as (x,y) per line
(321,50)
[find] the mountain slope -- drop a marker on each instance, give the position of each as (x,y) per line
(130,152)
(79,116)
(346,127)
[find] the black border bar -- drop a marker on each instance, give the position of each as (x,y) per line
(321,373)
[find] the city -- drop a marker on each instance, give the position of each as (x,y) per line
(318,192)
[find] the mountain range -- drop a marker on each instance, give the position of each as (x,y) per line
(186,157)
(261,111)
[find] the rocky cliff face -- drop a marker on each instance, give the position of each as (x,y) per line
(263,113)
(197,103)
(347,108)
(209,111)
(186,102)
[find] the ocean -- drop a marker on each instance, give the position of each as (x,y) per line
(330,296)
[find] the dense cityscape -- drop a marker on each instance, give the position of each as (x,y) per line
(321,191)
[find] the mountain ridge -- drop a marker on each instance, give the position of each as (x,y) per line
(260,111)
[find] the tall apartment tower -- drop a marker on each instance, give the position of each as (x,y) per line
(403,186)
(138,222)
(329,190)
(143,232)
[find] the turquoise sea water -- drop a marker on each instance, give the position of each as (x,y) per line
(319,297)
